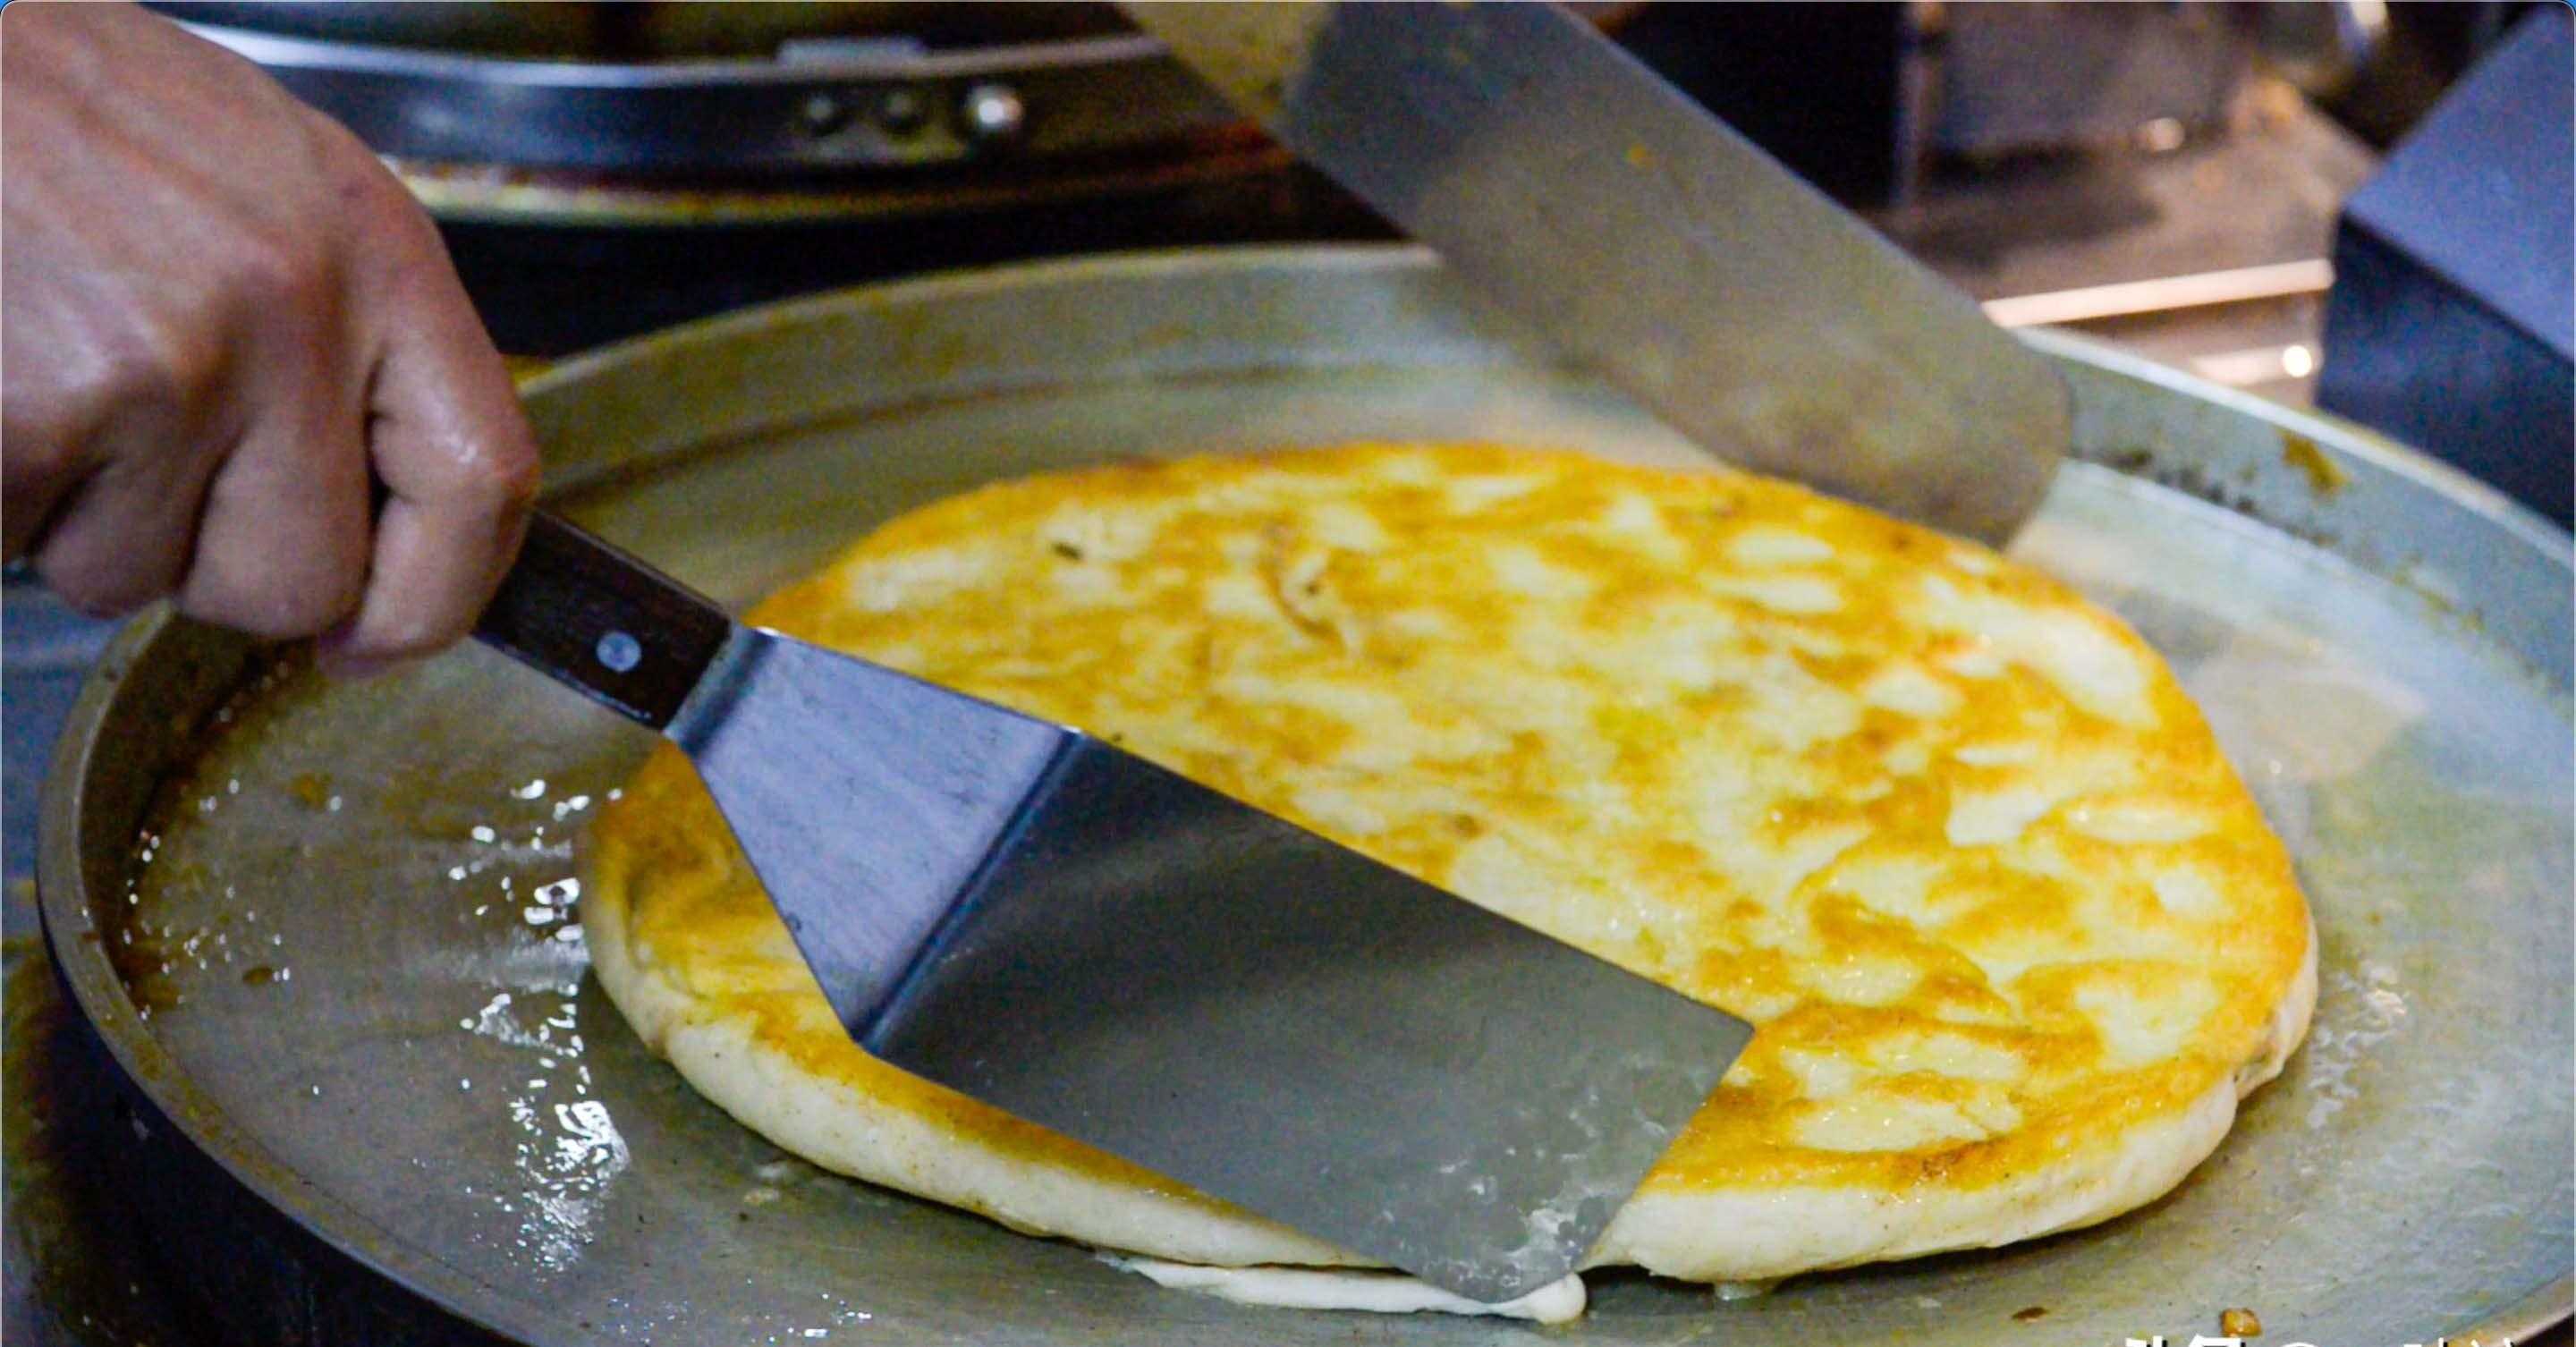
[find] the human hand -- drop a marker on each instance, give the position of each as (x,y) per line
(228,329)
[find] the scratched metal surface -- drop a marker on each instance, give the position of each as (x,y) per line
(355,931)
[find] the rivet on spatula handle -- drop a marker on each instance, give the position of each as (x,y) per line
(596,619)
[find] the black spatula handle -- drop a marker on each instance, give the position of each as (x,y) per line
(601,622)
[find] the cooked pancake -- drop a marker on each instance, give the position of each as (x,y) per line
(2015,937)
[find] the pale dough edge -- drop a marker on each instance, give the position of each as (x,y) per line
(849,1133)
(1717,1236)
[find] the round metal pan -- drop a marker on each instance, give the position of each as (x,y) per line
(327,929)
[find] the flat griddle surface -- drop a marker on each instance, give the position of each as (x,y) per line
(349,964)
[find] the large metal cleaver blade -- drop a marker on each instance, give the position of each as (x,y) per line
(1060,928)
(1652,243)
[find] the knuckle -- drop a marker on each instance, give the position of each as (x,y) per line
(379,198)
(267,260)
(511,476)
(366,195)
(398,246)
(273,266)
(375,196)
(500,476)
(151,373)
(150,378)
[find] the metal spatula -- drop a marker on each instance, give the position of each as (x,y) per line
(1067,931)
(1655,246)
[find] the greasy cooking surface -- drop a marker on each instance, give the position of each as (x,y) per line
(1953,839)
(2406,1177)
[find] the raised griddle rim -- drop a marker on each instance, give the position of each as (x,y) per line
(160,657)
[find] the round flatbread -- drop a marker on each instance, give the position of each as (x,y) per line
(2014,934)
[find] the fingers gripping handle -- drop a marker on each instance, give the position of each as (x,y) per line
(599,621)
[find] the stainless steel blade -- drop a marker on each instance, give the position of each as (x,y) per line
(1655,245)
(1087,940)
(865,800)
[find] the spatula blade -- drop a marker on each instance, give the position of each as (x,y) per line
(1653,244)
(1084,939)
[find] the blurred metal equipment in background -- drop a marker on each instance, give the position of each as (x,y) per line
(741,91)
(1873,102)
(603,169)
(2450,323)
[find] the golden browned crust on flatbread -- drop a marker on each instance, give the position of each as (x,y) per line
(2015,935)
